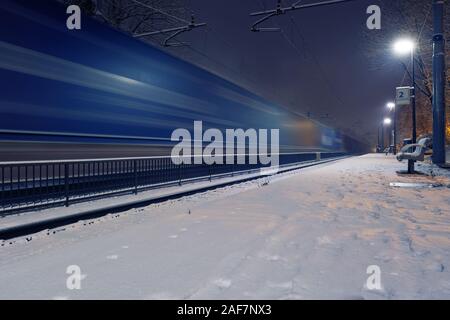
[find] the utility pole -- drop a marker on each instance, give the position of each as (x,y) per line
(395,130)
(411,169)
(378,138)
(439,119)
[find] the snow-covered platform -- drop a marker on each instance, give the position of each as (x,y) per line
(310,233)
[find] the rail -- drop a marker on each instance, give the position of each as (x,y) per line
(33,185)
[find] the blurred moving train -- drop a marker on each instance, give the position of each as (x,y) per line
(99,93)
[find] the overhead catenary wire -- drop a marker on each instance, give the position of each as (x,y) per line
(216,37)
(313,56)
(191,48)
(161,11)
(174,32)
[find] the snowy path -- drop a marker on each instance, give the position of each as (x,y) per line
(310,234)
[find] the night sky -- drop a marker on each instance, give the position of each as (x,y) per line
(319,64)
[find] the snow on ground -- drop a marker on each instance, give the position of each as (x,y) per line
(305,235)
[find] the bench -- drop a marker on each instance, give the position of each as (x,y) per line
(415,151)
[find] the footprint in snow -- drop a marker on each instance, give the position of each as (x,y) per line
(375,215)
(183,229)
(174,236)
(435,266)
(112,257)
(436,211)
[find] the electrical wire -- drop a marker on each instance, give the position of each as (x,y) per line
(161,11)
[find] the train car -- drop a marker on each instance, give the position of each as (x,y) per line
(98,93)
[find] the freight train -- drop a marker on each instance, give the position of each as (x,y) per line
(99,93)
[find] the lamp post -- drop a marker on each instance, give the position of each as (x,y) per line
(439,81)
(388,122)
(402,47)
(391,107)
(379,141)
(381,133)
(385,122)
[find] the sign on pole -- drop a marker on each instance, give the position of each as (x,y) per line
(403,96)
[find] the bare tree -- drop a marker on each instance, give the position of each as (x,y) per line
(413,19)
(136,16)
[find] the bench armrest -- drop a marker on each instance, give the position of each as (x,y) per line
(409,146)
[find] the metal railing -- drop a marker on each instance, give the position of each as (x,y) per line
(31,185)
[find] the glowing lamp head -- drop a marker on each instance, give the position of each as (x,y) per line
(387,121)
(403,46)
(391,105)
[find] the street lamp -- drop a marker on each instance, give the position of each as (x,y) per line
(391,107)
(385,122)
(403,47)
